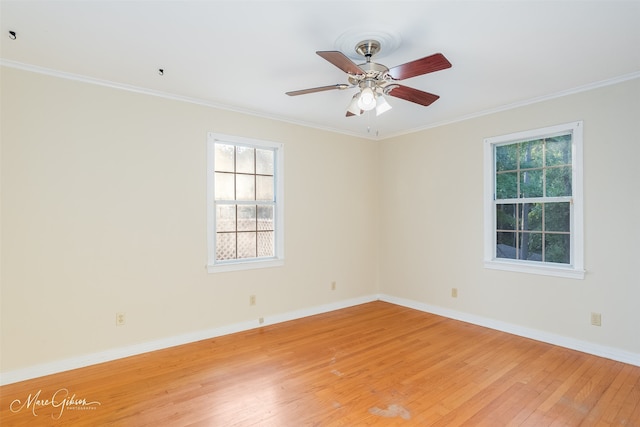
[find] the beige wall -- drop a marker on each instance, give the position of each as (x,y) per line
(103,211)
(432,216)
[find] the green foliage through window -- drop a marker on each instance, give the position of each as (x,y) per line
(533,189)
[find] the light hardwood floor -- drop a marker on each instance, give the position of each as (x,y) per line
(372,364)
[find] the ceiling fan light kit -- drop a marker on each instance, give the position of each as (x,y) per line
(376,80)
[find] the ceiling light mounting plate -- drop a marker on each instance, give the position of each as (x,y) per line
(368,48)
(383,41)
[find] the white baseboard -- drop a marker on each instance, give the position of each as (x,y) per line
(119,353)
(574,344)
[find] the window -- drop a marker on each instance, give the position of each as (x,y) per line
(533,201)
(244,203)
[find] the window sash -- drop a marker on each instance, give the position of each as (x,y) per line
(542,232)
(239,230)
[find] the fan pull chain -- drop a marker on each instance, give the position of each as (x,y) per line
(371,122)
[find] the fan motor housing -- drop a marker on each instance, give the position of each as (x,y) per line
(372,71)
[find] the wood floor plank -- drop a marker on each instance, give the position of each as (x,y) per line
(606,403)
(375,364)
(629,409)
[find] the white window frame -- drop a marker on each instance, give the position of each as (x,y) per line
(213,265)
(575,269)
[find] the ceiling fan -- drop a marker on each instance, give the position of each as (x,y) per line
(375,80)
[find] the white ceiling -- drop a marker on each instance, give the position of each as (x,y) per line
(245,55)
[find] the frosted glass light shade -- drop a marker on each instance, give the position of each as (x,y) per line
(353,105)
(382,105)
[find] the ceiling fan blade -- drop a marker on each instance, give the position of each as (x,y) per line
(341,61)
(413,95)
(317,89)
(428,64)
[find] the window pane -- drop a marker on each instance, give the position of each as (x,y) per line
(225,245)
(531,215)
(557,248)
(247,245)
(559,181)
(506,245)
(265,218)
(264,188)
(507,185)
(531,183)
(559,150)
(506,217)
(225,218)
(246,188)
(531,154)
(557,216)
(246,218)
(507,157)
(531,246)
(265,244)
(224,158)
(224,186)
(245,161)
(264,162)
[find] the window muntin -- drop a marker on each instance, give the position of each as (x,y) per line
(245,203)
(533,201)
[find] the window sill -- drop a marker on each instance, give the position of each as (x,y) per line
(535,268)
(244,265)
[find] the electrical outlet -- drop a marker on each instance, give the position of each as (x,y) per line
(120,319)
(596,319)
(333,286)
(252,300)
(261,320)
(454,292)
